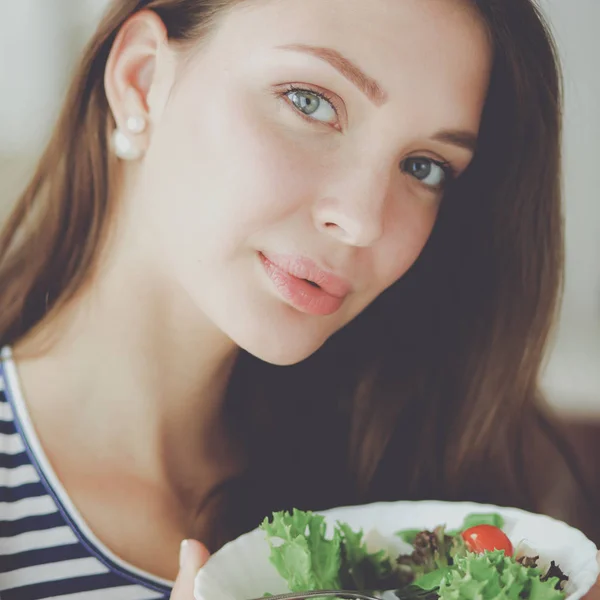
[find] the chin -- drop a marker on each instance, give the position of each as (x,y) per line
(282,348)
(282,355)
(271,330)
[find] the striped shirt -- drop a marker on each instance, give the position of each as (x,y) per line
(46,549)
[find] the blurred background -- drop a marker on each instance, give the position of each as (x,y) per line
(40,41)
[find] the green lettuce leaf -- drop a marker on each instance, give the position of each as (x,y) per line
(308,560)
(301,553)
(433,579)
(474,519)
(494,576)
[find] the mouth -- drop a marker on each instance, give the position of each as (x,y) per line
(307,270)
(304,285)
(315,285)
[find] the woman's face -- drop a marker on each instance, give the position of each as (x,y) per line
(312,139)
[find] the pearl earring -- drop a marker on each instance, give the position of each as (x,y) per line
(122,145)
(136,124)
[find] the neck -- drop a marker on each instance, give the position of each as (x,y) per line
(134,369)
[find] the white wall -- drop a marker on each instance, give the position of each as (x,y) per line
(573,376)
(39,40)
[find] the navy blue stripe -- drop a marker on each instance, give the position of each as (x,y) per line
(117,576)
(27,524)
(20,492)
(42,556)
(71,586)
(7,427)
(12,461)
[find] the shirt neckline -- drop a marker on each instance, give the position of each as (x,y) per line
(55,489)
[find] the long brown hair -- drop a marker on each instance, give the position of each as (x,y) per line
(435,386)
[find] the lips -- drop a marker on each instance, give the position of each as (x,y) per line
(304,268)
(304,285)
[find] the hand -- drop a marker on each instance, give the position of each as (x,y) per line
(594,593)
(192,557)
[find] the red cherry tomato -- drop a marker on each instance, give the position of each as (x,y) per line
(487,537)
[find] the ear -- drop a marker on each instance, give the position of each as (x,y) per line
(140,66)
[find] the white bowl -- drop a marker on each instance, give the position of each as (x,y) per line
(241,569)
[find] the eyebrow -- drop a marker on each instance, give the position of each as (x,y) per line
(373,90)
(455,137)
(367,85)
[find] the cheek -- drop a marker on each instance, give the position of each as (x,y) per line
(403,243)
(236,174)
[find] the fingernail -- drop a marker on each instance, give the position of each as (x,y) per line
(183,553)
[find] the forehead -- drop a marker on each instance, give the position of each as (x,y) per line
(431,54)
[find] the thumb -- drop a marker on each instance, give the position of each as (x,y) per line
(192,557)
(594,593)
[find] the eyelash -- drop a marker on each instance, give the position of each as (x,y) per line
(447,168)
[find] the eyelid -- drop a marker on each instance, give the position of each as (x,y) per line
(336,102)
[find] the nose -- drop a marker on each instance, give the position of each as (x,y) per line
(353,209)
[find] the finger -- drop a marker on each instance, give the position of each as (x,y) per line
(594,593)
(192,557)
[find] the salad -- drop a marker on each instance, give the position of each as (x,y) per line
(475,562)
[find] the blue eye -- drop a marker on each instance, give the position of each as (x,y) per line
(430,172)
(313,105)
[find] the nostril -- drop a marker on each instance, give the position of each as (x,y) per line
(337,230)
